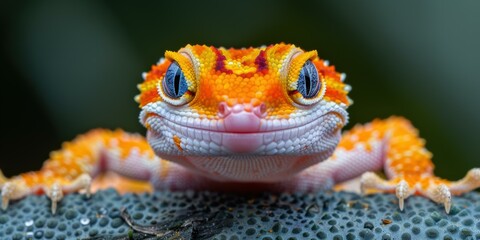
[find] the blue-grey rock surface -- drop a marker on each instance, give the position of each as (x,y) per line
(208,215)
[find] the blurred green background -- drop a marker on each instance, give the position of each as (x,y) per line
(69,66)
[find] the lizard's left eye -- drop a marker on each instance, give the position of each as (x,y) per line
(308,88)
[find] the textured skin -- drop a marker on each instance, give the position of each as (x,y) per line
(243,124)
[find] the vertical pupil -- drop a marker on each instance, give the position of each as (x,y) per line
(307,83)
(176,82)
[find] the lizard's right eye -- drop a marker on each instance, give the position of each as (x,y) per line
(174,87)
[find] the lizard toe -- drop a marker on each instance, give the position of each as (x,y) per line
(82,182)
(55,193)
(7,191)
(12,190)
(402,191)
(441,194)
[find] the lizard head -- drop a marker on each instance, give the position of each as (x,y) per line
(250,114)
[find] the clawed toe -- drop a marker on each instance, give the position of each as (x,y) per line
(84,181)
(474,173)
(402,191)
(7,191)
(55,193)
(446,197)
(441,194)
(12,190)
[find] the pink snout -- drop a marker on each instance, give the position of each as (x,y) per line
(242,124)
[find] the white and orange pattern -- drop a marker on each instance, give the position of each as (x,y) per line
(245,119)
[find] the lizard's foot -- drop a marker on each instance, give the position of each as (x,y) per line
(56,190)
(403,187)
(16,189)
(12,190)
(432,187)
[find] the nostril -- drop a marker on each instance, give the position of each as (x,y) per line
(261,110)
(223,110)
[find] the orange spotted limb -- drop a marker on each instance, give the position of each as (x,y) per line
(72,168)
(394,146)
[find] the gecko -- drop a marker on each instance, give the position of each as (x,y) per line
(266,118)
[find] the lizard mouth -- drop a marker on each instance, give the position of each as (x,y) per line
(271,138)
(266,126)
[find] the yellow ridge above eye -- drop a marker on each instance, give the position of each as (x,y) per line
(187,68)
(296,65)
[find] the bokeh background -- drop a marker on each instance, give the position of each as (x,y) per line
(69,66)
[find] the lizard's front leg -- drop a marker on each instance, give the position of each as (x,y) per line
(72,168)
(394,145)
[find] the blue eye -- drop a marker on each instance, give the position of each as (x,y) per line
(308,83)
(175,84)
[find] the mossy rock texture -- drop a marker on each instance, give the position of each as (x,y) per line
(211,215)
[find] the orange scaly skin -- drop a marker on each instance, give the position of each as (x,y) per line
(265,118)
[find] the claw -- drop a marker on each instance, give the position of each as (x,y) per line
(7,191)
(5,201)
(402,192)
(448,205)
(55,194)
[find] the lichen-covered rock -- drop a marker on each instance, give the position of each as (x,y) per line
(208,215)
